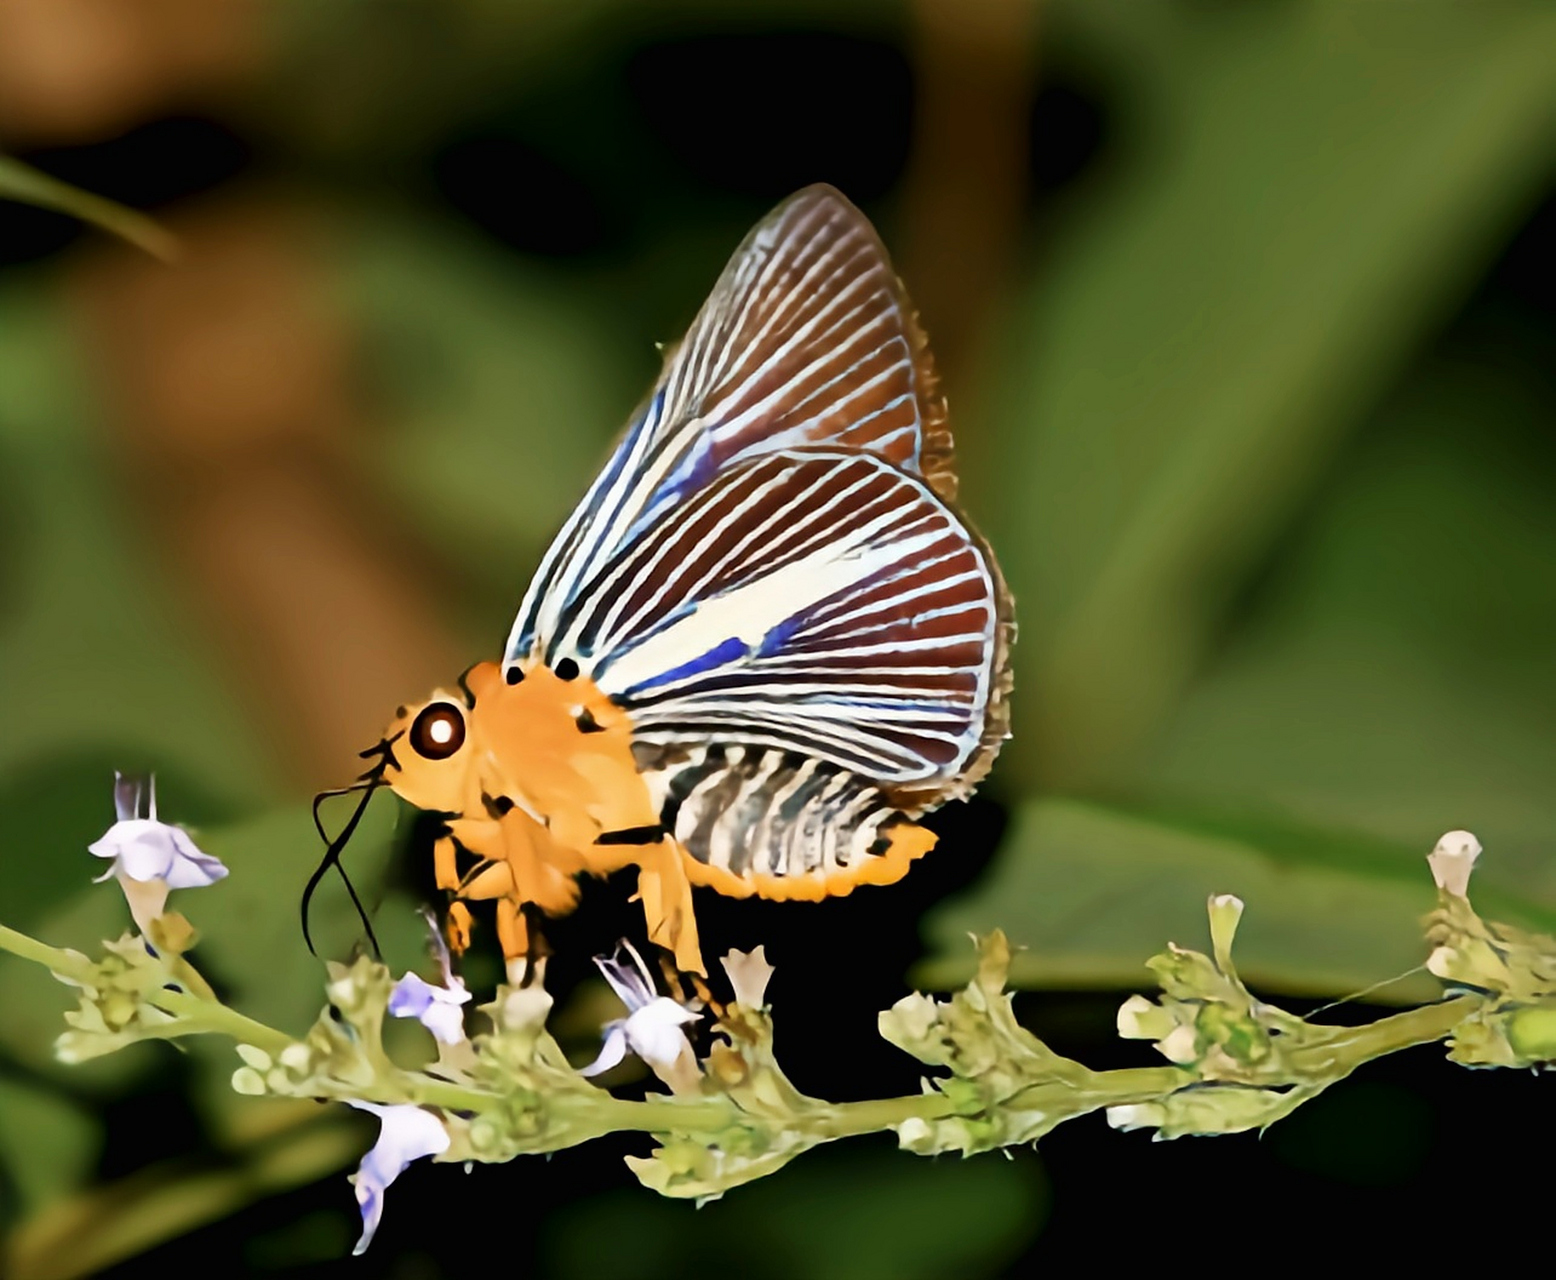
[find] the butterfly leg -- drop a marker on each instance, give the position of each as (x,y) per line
(459,923)
(676,980)
(512,928)
(666,895)
(523,945)
(458,927)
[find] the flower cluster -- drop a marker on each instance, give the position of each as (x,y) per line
(1513,968)
(500,1086)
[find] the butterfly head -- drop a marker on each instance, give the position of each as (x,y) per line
(517,729)
(430,764)
(424,757)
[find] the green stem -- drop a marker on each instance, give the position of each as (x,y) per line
(204,1016)
(1133,1084)
(22,182)
(67,964)
(849,1119)
(201,1012)
(712,1115)
(841,1120)
(1349,1047)
(660,1115)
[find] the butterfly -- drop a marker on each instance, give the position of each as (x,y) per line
(763,644)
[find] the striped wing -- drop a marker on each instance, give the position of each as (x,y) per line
(816,601)
(806,340)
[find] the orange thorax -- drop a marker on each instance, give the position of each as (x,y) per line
(559,750)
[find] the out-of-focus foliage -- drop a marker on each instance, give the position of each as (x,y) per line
(22,182)
(838,1215)
(1176,393)
(1282,550)
(1303,190)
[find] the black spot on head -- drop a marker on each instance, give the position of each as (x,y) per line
(497,806)
(514,674)
(587,723)
(566,669)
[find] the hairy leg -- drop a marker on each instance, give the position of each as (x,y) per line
(666,895)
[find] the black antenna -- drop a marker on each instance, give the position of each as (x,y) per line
(368,783)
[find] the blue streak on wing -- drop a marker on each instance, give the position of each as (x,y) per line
(696,469)
(775,639)
(731,650)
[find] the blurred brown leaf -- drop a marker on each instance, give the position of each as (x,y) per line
(80,70)
(231,389)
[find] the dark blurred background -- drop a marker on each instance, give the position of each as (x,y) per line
(1247,318)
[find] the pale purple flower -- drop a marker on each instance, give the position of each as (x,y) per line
(406,1133)
(150,857)
(439,1009)
(652,1027)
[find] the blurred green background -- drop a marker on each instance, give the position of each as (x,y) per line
(1248,323)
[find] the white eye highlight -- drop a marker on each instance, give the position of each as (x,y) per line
(438,732)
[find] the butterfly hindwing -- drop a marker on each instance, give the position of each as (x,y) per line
(809,600)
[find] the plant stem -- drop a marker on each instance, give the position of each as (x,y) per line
(1349,1047)
(203,1016)
(68,964)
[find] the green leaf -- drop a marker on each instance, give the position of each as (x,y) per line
(23,183)
(501,389)
(1091,893)
(98,656)
(48,1144)
(846,1214)
(1393,676)
(249,924)
(1296,195)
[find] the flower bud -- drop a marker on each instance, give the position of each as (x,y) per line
(1142,1019)
(1452,861)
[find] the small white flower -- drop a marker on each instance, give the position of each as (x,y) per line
(1137,1115)
(1180,1045)
(150,857)
(748,973)
(1452,861)
(651,1029)
(407,1133)
(1142,1019)
(439,1009)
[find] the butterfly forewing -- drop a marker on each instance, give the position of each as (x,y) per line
(807,339)
(768,563)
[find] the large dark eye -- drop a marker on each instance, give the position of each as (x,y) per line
(438,732)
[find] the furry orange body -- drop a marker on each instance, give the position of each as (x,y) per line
(542,787)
